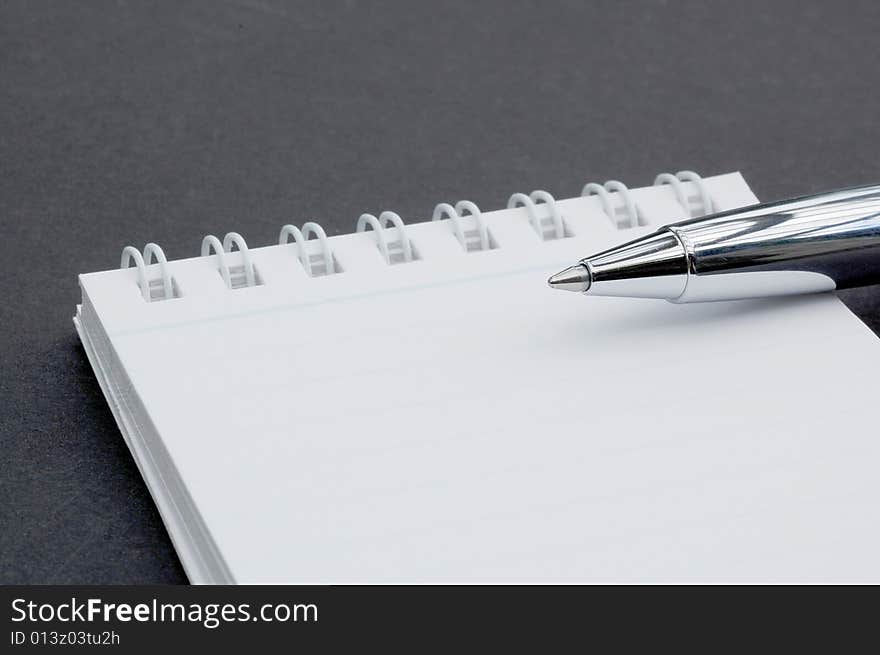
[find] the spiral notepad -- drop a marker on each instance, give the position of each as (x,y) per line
(411,403)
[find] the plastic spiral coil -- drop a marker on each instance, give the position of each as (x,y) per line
(470,240)
(552,227)
(314,265)
(708,207)
(159,289)
(398,251)
(544,216)
(628,207)
(235,277)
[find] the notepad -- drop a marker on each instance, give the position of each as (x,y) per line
(410,403)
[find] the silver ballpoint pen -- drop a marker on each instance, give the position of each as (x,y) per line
(815,243)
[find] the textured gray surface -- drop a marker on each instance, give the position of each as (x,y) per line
(122,123)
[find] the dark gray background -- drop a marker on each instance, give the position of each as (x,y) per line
(122,123)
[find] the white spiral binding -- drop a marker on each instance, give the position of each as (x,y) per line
(675,181)
(151,251)
(379,225)
(530,202)
(401,249)
(464,207)
(210,242)
(617,189)
(300,237)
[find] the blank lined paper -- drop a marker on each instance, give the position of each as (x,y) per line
(452,419)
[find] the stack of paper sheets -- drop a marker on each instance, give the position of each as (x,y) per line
(452,419)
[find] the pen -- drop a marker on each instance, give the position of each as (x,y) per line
(805,245)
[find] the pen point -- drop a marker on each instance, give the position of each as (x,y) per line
(573,278)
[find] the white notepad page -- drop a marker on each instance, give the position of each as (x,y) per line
(453,419)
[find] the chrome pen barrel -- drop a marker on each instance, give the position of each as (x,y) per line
(811,244)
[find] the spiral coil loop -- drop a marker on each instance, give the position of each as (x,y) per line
(530,202)
(675,181)
(300,237)
(618,189)
(234,276)
(399,251)
(212,243)
(151,251)
(464,208)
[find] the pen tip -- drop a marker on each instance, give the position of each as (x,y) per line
(573,278)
